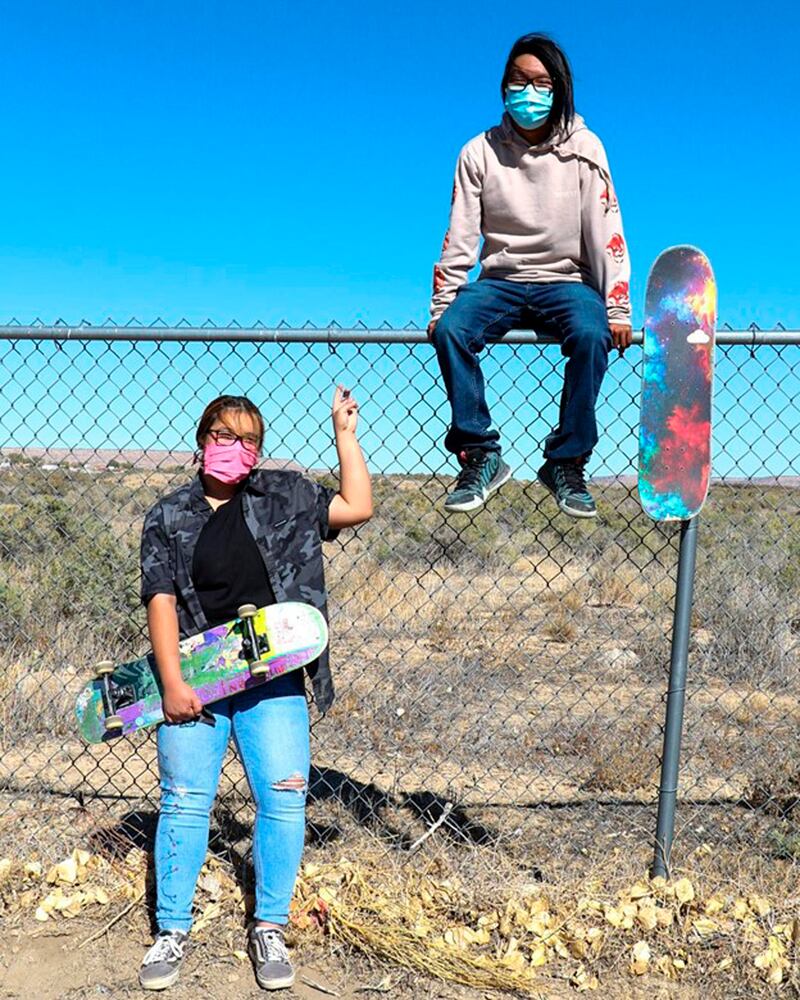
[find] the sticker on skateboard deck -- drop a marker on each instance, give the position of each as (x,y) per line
(677,376)
(253,649)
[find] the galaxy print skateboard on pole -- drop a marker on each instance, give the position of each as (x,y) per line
(262,643)
(675,466)
(678,368)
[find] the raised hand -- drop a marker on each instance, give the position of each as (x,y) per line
(344,411)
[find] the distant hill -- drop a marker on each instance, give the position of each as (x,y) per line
(789,482)
(105,459)
(102,459)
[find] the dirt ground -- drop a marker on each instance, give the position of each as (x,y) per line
(97,953)
(52,965)
(55,967)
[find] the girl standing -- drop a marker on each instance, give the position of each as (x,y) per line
(232,536)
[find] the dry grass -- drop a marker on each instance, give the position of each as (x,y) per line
(560,628)
(720,926)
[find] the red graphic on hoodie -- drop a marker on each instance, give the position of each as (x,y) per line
(615,248)
(620,295)
(439,280)
(608,200)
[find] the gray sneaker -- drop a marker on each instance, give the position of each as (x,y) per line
(567,483)
(161,965)
(482,472)
(267,951)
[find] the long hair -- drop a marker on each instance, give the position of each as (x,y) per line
(557,65)
(218,407)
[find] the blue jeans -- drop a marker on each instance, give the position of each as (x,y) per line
(484,311)
(270,729)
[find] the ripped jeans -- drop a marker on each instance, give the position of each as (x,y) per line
(270,729)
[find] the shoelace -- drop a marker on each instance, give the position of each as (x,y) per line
(572,473)
(470,475)
(167,947)
(269,946)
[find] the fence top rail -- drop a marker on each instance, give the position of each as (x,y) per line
(323,335)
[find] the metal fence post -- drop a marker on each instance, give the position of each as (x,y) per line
(676,696)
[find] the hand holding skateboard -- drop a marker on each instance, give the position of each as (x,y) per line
(180,703)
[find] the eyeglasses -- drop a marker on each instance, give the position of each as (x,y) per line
(227,438)
(542,84)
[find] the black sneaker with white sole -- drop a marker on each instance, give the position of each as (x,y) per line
(161,964)
(567,482)
(482,472)
(270,958)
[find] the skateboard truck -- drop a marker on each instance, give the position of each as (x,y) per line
(113,722)
(254,646)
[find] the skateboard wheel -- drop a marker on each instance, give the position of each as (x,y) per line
(247,610)
(259,668)
(113,724)
(104,667)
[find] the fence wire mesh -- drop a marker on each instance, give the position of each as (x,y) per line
(500,675)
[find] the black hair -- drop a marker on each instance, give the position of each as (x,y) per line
(557,65)
(224,404)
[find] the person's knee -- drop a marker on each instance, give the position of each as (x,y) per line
(284,798)
(450,332)
(294,783)
(181,800)
(587,340)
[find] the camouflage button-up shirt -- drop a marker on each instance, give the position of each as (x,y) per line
(287,515)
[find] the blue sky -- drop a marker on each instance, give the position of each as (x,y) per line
(294,160)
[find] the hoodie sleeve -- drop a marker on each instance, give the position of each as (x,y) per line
(460,248)
(603,244)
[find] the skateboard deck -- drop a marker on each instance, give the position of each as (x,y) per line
(677,377)
(261,644)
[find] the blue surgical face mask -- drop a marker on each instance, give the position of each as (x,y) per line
(529,107)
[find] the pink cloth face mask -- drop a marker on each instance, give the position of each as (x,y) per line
(229,463)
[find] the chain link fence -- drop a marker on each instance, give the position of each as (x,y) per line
(501,675)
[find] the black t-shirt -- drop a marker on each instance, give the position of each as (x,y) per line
(227,568)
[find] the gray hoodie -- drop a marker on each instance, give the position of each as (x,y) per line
(546,213)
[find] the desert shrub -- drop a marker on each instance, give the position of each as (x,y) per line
(13,611)
(742,604)
(69,566)
(622,758)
